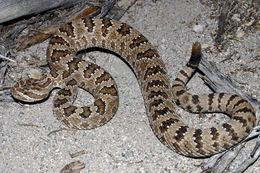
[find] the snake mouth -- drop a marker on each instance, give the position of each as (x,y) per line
(27,96)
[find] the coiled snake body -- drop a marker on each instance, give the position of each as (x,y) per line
(68,72)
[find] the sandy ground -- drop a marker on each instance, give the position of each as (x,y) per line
(127,143)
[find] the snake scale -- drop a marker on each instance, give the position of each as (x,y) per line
(68,72)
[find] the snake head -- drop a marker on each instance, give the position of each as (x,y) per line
(32,90)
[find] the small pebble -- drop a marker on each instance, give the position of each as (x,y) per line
(236,17)
(240,34)
(204,46)
(198,28)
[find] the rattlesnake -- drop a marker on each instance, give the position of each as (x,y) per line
(68,72)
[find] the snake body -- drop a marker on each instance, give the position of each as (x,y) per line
(68,72)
